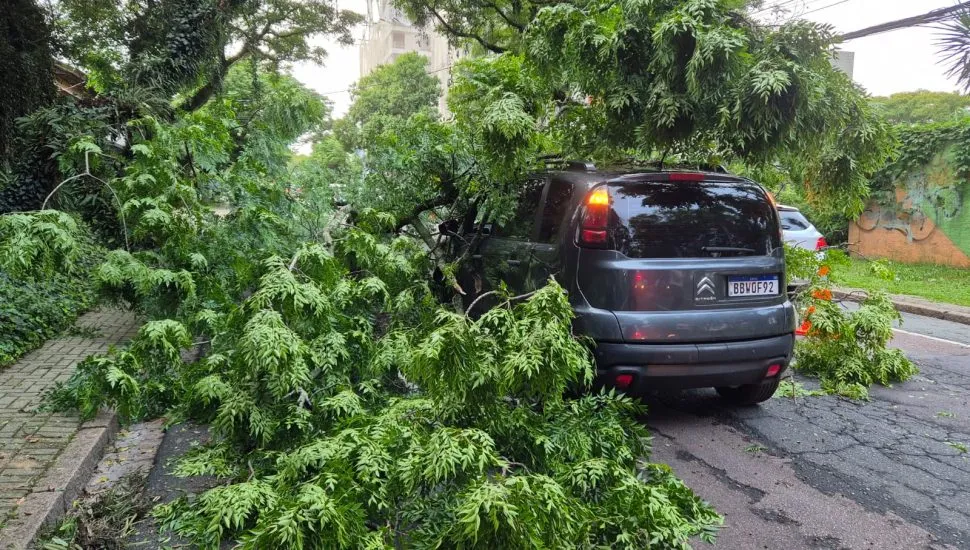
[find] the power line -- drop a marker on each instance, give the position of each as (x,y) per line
(825,7)
(933,16)
(807,5)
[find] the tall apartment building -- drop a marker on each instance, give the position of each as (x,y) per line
(393,34)
(844,61)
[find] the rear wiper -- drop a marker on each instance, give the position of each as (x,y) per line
(727,249)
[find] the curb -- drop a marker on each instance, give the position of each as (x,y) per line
(945,312)
(54,493)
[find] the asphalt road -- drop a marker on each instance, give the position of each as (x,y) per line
(824,472)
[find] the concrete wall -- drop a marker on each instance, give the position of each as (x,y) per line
(927,222)
(883,233)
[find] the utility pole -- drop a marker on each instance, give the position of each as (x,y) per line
(923,19)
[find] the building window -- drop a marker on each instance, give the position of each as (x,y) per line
(397,40)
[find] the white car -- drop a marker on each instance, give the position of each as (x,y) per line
(798,231)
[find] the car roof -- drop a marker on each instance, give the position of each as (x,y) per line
(590,175)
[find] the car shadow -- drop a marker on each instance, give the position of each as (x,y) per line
(671,404)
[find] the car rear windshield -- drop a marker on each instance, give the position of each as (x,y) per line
(792,220)
(704,219)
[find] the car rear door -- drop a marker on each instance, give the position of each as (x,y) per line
(689,261)
(546,257)
(505,254)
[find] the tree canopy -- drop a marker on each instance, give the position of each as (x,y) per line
(695,79)
(188,46)
(387,96)
(400,88)
(923,106)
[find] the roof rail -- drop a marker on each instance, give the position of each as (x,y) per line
(584,165)
(658,164)
(554,161)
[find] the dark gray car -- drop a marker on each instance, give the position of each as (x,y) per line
(677,276)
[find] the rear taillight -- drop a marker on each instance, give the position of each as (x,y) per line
(596,217)
(591,237)
(624,381)
(820,243)
(686,176)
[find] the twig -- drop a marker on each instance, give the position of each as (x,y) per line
(296,257)
(848,296)
(476,300)
(510,464)
(512,299)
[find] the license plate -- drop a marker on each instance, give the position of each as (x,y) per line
(763,285)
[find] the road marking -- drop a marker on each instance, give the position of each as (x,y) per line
(943,340)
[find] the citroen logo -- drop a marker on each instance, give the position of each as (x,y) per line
(705,290)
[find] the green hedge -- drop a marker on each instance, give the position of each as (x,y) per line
(31,311)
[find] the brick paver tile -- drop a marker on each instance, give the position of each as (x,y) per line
(30,441)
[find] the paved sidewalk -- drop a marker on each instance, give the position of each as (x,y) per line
(30,441)
(913,304)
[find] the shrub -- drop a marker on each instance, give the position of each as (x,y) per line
(44,259)
(33,311)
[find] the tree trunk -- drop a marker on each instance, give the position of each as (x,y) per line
(209,89)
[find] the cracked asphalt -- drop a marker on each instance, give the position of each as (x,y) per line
(828,473)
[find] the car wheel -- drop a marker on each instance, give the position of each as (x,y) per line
(749,394)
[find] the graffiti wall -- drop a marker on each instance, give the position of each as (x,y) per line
(927,221)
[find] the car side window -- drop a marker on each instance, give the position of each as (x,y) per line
(793,221)
(557,200)
(519,227)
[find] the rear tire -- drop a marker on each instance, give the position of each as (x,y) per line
(749,394)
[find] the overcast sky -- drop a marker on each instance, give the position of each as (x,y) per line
(896,61)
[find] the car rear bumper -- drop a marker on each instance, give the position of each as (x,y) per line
(681,366)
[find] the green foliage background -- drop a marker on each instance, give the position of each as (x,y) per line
(923,107)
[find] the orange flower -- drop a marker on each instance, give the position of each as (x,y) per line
(822,294)
(809,311)
(823,271)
